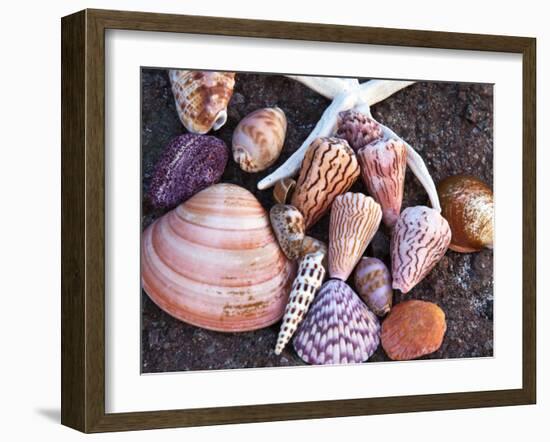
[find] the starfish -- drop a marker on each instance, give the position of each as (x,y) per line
(348,94)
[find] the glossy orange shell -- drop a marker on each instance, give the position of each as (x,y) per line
(214,262)
(413,329)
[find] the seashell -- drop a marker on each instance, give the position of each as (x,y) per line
(258,139)
(189,164)
(214,262)
(467,204)
(308,280)
(202,98)
(338,329)
(288,225)
(354,219)
(312,245)
(329,169)
(373,284)
(282,192)
(413,329)
(383,166)
(420,238)
(357,129)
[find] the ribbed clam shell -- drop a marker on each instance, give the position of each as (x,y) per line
(329,169)
(258,139)
(354,219)
(189,164)
(413,329)
(357,129)
(467,204)
(420,238)
(338,329)
(383,166)
(283,189)
(373,283)
(202,98)
(214,262)
(308,280)
(288,225)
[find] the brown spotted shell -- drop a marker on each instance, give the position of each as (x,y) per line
(258,139)
(467,204)
(283,189)
(413,329)
(329,169)
(202,98)
(288,225)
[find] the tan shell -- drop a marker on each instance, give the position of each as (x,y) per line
(308,280)
(354,219)
(282,192)
(467,204)
(258,139)
(312,245)
(288,225)
(373,283)
(383,166)
(329,169)
(202,98)
(420,238)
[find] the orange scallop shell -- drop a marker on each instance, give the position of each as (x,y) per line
(214,262)
(413,329)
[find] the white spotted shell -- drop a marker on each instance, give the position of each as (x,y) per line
(288,224)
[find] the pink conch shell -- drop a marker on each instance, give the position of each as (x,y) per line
(202,98)
(214,262)
(420,238)
(338,329)
(354,219)
(383,166)
(373,283)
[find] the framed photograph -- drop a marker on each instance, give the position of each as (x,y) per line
(267,221)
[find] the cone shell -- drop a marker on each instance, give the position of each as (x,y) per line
(413,329)
(308,280)
(189,164)
(258,139)
(357,129)
(288,225)
(354,219)
(202,98)
(420,238)
(338,329)
(467,204)
(282,192)
(373,283)
(329,169)
(383,166)
(214,262)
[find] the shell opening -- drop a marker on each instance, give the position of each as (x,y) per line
(220,120)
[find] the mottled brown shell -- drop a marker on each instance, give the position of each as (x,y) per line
(282,192)
(202,98)
(467,204)
(288,224)
(413,329)
(329,169)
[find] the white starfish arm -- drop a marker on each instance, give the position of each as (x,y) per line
(324,128)
(375,91)
(328,87)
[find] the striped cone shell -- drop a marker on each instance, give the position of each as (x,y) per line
(420,238)
(383,166)
(357,129)
(329,169)
(373,283)
(354,219)
(338,329)
(308,280)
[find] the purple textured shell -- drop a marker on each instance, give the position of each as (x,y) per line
(357,129)
(189,164)
(373,284)
(338,329)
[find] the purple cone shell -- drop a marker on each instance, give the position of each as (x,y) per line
(189,164)
(357,129)
(338,329)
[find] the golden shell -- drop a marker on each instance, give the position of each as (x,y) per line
(288,225)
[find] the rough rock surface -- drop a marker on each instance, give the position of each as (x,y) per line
(450,125)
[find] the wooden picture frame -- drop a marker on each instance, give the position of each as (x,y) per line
(83,220)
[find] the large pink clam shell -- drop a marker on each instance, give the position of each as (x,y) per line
(214,262)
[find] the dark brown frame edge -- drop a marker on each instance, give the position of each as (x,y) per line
(83,216)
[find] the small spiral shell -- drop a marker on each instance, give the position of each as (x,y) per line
(357,129)
(288,224)
(373,283)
